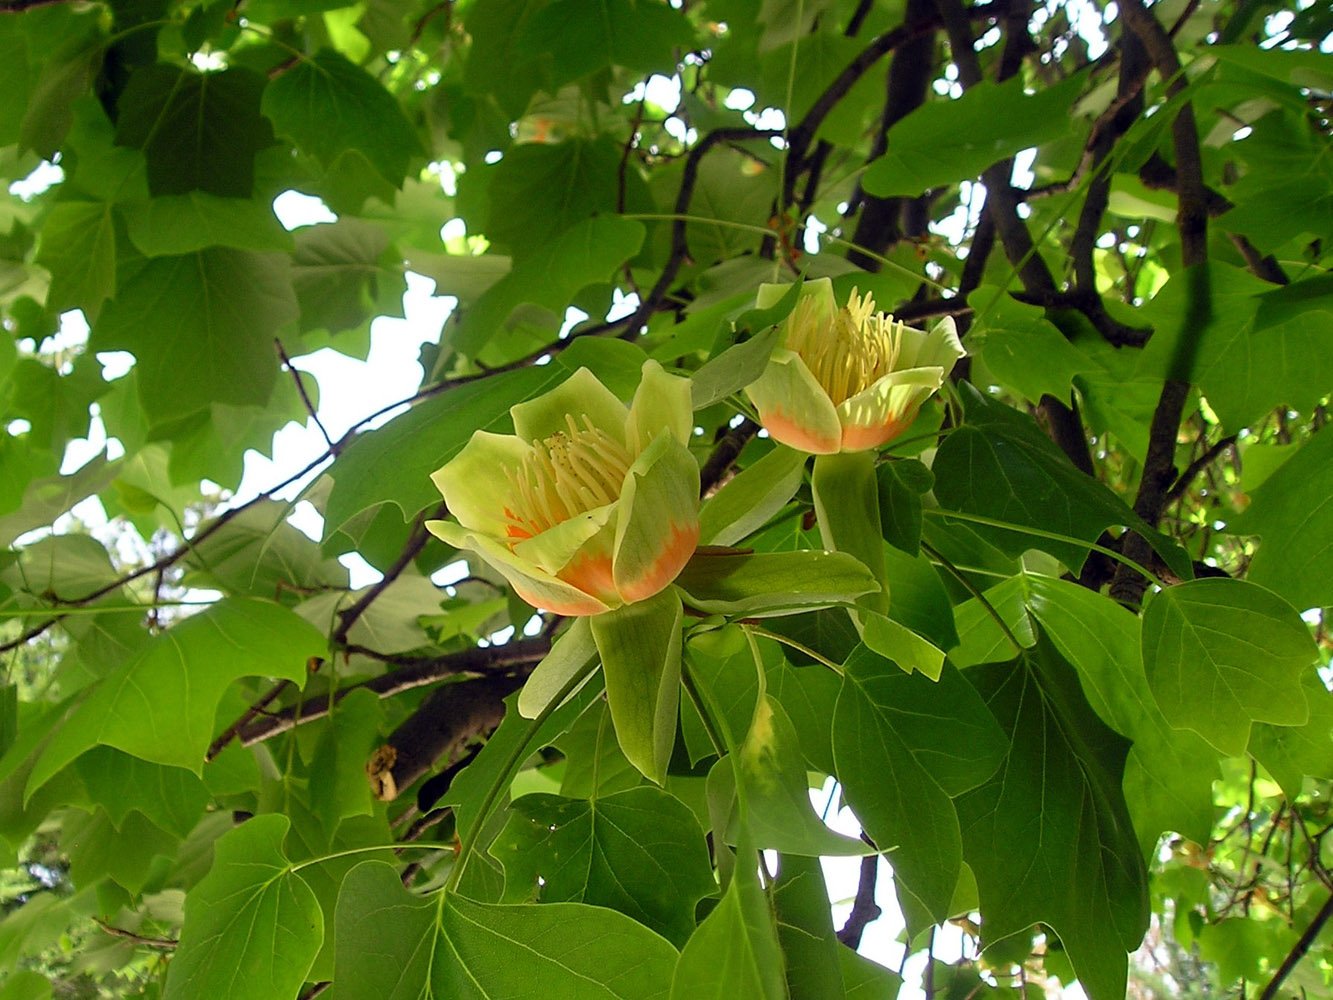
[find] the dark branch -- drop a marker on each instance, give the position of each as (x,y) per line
(1298,950)
(482,660)
(1192,220)
(450,718)
(865,910)
(416,541)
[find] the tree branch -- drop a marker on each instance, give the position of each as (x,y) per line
(1192,220)
(1298,950)
(482,660)
(865,910)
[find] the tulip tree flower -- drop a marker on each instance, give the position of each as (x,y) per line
(842,382)
(589,505)
(850,378)
(590,510)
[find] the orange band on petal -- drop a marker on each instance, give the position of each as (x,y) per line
(592,574)
(861,438)
(782,428)
(572,608)
(680,545)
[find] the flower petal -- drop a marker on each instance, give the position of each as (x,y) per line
(887,408)
(580,395)
(554,548)
(793,408)
(658,528)
(661,403)
(473,481)
(940,346)
(530,582)
(817,288)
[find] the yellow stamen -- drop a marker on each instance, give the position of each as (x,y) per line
(567,474)
(857,350)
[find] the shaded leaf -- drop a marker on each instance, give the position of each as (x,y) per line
(201,327)
(1222,653)
(1048,835)
(330,106)
(398,946)
(639,851)
(199,131)
(252,926)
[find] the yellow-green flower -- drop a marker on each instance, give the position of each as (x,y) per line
(849,378)
(590,505)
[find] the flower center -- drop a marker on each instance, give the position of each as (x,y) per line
(567,474)
(850,356)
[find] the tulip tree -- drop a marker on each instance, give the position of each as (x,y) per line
(910,412)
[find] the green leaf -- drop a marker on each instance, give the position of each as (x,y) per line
(470,788)
(549,277)
(639,851)
(982,638)
(1023,348)
(126,854)
(569,655)
(1292,512)
(640,646)
(594,765)
(1240,646)
(160,705)
(734,368)
(1000,465)
(398,946)
(252,926)
(180,224)
(747,500)
(172,797)
(63,79)
(1256,351)
(338,785)
(16,77)
(1067,855)
(895,641)
(330,106)
(259,553)
(1289,753)
(344,273)
(904,745)
(201,327)
(942,142)
(199,131)
(773,810)
(902,484)
(540,190)
(1169,772)
(23,984)
(846,497)
(79,249)
(393,463)
(805,930)
(757,584)
(865,979)
(579,37)
(735,952)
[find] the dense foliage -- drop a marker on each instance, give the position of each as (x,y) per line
(1068,667)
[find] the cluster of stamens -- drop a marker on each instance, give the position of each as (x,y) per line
(860,348)
(567,474)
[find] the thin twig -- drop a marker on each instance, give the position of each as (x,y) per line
(301,391)
(148,942)
(416,541)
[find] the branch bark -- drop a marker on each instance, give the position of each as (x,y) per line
(1159,468)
